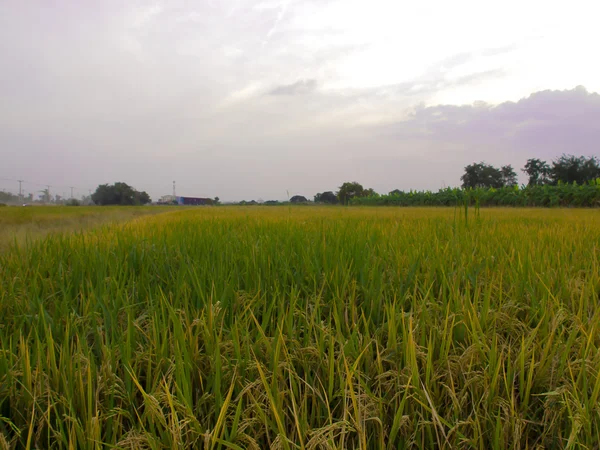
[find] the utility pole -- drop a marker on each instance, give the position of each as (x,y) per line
(71,191)
(48,199)
(174,194)
(20,191)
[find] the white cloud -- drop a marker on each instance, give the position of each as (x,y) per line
(187,87)
(144,16)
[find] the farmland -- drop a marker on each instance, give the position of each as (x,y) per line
(305,328)
(18,224)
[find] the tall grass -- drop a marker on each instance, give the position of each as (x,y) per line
(310,328)
(18,224)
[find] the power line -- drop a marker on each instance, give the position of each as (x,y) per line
(20,181)
(46,195)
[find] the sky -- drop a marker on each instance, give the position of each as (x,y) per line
(266,99)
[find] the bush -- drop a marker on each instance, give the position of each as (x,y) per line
(584,195)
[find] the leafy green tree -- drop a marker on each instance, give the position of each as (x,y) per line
(482,175)
(7,197)
(509,176)
(119,194)
(142,198)
(348,191)
(369,192)
(538,172)
(571,169)
(298,199)
(326,197)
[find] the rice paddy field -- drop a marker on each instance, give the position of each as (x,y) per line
(305,328)
(18,224)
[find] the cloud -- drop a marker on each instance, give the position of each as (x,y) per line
(146,15)
(545,124)
(151,91)
(499,50)
(476,77)
(300,87)
(282,9)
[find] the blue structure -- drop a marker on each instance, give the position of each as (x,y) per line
(194,201)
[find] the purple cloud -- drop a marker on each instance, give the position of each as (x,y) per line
(545,124)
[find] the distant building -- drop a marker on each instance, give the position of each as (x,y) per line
(168,199)
(194,201)
(189,201)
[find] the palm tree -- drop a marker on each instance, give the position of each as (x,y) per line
(45,195)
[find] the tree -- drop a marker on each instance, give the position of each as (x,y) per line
(86,200)
(538,172)
(509,176)
(348,191)
(369,192)
(298,199)
(395,192)
(142,198)
(326,197)
(571,169)
(591,169)
(45,197)
(119,194)
(7,197)
(217,200)
(482,175)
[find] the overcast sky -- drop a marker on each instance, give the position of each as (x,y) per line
(246,99)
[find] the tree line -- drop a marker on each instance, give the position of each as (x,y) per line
(568,180)
(106,194)
(567,169)
(563,195)
(43,197)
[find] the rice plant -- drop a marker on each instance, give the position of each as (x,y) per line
(306,328)
(18,224)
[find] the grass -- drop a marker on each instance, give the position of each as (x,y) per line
(306,328)
(18,224)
